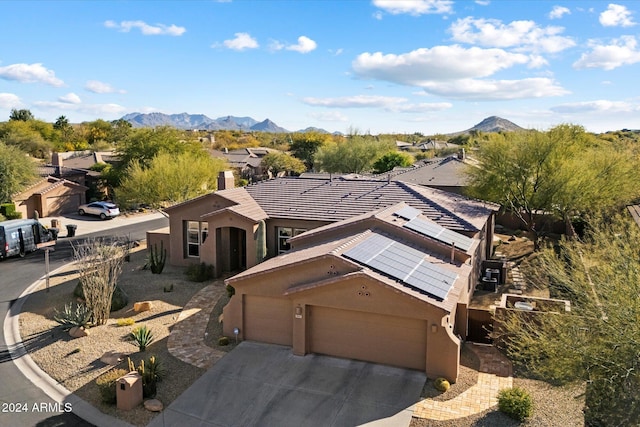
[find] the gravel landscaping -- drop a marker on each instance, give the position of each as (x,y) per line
(75,363)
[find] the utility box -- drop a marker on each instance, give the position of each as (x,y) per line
(129,391)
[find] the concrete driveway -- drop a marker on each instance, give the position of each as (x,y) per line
(266,385)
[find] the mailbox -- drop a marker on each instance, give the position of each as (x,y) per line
(129,391)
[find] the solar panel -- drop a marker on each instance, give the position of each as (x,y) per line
(408,213)
(403,263)
(435,231)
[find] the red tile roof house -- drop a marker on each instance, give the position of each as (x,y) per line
(380,271)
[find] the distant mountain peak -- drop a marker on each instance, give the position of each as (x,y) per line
(188,121)
(495,124)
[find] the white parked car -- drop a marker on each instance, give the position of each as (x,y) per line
(102,209)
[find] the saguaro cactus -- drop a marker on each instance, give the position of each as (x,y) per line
(261,242)
(157,258)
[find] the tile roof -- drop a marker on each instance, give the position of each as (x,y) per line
(245,205)
(340,198)
(437,172)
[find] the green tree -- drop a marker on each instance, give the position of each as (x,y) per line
(20,115)
(391,160)
(305,145)
(596,342)
(564,172)
(120,130)
(169,178)
(355,155)
(276,163)
(28,137)
(17,171)
(62,125)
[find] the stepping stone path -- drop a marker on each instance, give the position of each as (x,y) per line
(186,341)
(495,374)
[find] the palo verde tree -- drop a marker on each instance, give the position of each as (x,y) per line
(304,145)
(391,160)
(20,115)
(169,179)
(354,155)
(564,172)
(16,171)
(276,163)
(99,265)
(598,341)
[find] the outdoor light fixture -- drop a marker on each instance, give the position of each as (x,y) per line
(434,328)
(236,331)
(298,312)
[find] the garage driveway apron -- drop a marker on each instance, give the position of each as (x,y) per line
(266,385)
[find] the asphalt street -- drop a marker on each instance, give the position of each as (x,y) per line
(21,402)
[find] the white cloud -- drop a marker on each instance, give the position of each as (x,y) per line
(305,45)
(70,98)
(490,90)
(414,7)
(96,86)
(329,116)
(558,12)
(622,51)
(146,29)
(241,42)
(30,73)
(616,16)
(483,2)
(9,100)
(522,35)
(396,104)
(378,15)
(90,109)
(440,63)
(598,106)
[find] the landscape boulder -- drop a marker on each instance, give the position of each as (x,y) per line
(142,306)
(78,332)
(153,405)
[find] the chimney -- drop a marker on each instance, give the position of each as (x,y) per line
(461,154)
(56,159)
(225,180)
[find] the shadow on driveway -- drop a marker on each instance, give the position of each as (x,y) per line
(266,385)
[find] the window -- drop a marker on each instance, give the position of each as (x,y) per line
(197,233)
(284,234)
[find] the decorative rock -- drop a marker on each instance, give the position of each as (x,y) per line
(78,332)
(512,238)
(112,358)
(153,405)
(142,306)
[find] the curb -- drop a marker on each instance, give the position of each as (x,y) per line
(56,391)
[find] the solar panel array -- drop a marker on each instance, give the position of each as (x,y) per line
(403,263)
(433,230)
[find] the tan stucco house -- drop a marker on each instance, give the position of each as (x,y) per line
(372,270)
(50,196)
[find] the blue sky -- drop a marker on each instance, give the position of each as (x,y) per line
(378,66)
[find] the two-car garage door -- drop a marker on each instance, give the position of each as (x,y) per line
(372,337)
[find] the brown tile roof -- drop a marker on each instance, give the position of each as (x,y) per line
(245,205)
(437,172)
(334,200)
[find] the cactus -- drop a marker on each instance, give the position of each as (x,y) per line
(157,258)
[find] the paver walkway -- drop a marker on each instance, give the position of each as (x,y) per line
(495,374)
(186,341)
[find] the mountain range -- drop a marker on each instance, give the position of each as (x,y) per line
(201,122)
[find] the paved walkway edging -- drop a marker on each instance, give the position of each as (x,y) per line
(495,374)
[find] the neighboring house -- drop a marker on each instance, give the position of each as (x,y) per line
(403,145)
(433,144)
(446,173)
(72,164)
(50,196)
(246,161)
(328,240)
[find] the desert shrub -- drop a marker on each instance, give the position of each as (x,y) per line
(200,272)
(70,316)
(231,291)
(222,341)
(107,384)
(119,299)
(151,372)
(516,403)
(142,336)
(441,384)
(127,321)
